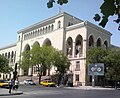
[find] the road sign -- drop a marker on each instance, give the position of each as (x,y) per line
(96,69)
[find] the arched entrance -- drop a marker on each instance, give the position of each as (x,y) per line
(69,45)
(27,48)
(78,45)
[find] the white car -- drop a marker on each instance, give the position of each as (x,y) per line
(29,82)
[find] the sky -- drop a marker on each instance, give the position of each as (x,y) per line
(19,14)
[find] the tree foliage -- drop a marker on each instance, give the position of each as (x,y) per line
(4,67)
(108,8)
(25,62)
(96,55)
(60,2)
(111,60)
(62,63)
(44,58)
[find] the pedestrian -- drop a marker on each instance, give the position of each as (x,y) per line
(11,83)
(16,85)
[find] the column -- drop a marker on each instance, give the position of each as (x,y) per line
(21,72)
(73,50)
(30,71)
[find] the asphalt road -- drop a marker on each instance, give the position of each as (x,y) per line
(52,92)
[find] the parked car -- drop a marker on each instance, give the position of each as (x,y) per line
(29,82)
(48,83)
(4,83)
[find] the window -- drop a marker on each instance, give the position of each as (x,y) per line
(69,24)
(19,38)
(59,24)
(77,66)
(77,77)
(52,27)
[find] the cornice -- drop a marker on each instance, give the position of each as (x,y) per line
(72,27)
(87,23)
(40,23)
(9,46)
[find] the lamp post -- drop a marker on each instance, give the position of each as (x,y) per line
(15,72)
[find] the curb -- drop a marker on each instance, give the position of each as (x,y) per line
(13,93)
(89,88)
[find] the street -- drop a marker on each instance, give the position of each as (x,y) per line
(36,91)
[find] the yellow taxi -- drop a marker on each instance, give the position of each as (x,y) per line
(48,83)
(4,83)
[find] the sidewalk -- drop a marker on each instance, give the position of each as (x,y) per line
(4,92)
(90,88)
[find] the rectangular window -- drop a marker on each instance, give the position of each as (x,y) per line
(77,77)
(77,66)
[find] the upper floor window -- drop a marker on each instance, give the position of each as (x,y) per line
(69,24)
(59,24)
(77,66)
(52,27)
(19,38)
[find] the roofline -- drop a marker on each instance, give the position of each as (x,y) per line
(87,23)
(46,20)
(9,46)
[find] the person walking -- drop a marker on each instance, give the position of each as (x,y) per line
(11,83)
(16,85)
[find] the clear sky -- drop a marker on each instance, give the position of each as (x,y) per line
(18,14)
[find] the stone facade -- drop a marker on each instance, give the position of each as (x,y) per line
(64,32)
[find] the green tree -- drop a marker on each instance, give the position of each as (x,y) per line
(108,8)
(42,58)
(112,61)
(25,62)
(62,63)
(96,55)
(4,67)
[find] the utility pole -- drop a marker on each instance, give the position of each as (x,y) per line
(15,72)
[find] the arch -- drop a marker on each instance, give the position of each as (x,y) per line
(69,46)
(52,27)
(78,45)
(5,54)
(105,44)
(98,42)
(43,30)
(38,32)
(12,56)
(49,28)
(69,23)
(8,55)
(37,43)
(59,24)
(19,38)
(33,33)
(46,30)
(27,47)
(91,41)
(47,42)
